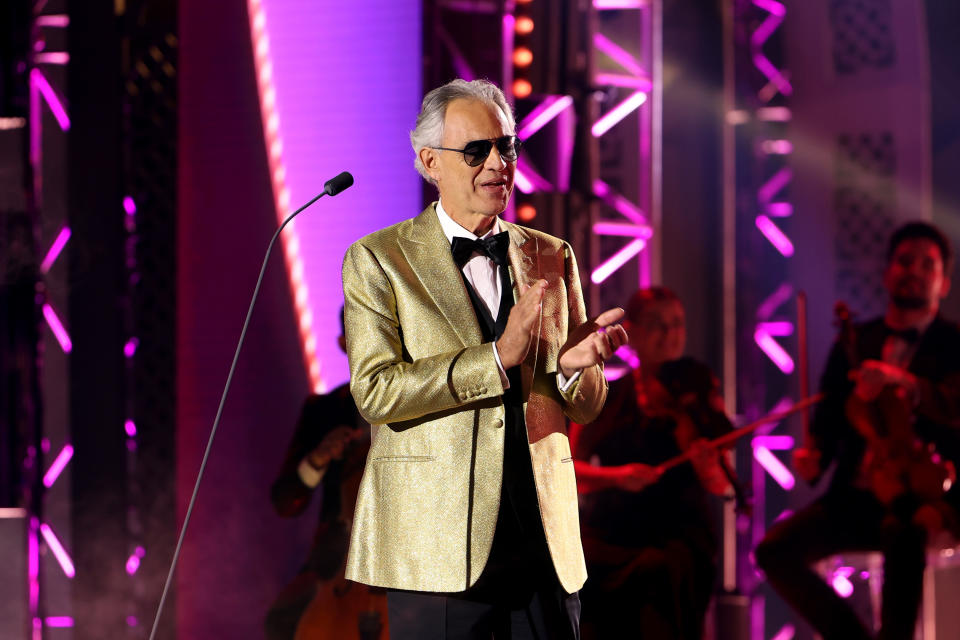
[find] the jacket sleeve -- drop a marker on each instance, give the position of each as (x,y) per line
(387,384)
(583,399)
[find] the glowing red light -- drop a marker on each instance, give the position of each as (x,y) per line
(522,88)
(522,57)
(526,212)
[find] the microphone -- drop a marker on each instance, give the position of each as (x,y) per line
(331,187)
(338,183)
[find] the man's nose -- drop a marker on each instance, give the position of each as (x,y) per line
(494,160)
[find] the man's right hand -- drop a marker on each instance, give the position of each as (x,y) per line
(636,476)
(331,447)
(518,334)
(806,462)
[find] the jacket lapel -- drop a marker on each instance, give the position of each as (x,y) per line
(524,270)
(428,253)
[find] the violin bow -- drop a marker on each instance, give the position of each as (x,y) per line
(736,434)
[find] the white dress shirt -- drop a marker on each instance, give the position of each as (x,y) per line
(484,276)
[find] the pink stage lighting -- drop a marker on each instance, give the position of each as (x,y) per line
(543,113)
(758,39)
(776,237)
(840,581)
(622,229)
(39,81)
(774,443)
(130,427)
(33,564)
(289,238)
(57,327)
(617,260)
(57,467)
(786,633)
(530,177)
(783,293)
(622,205)
(773,349)
(618,54)
(774,467)
(58,621)
(58,551)
(639,83)
(774,184)
(53,20)
(55,249)
(618,113)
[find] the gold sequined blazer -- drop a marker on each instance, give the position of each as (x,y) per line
(428,502)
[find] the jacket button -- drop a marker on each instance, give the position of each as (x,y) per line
(497,424)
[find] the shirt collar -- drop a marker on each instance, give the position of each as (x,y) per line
(452,229)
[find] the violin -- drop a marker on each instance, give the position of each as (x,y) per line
(691,388)
(896,462)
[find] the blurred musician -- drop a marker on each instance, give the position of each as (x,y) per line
(650,539)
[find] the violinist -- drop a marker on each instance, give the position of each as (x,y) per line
(327,450)
(650,539)
(914,354)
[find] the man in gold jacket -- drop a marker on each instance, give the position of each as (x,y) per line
(466,360)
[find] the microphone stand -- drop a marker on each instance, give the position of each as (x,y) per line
(331,187)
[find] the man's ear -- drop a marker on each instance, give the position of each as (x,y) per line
(430,159)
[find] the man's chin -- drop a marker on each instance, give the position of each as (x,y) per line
(910,303)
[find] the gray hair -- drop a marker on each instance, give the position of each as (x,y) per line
(429,129)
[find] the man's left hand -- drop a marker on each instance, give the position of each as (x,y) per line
(874,375)
(593,342)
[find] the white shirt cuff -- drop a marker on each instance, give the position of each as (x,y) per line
(503,373)
(564,383)
(310,475)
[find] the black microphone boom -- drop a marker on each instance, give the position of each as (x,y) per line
(331,187)
(338,183)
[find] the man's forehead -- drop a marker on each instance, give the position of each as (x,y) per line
(474,116)
(914,246)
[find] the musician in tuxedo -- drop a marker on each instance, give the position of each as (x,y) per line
(913,352)
(650,539)
(469,345)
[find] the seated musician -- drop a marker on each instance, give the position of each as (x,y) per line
(649,539)
(914,354)
(327,451)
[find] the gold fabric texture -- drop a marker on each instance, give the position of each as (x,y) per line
(430,493)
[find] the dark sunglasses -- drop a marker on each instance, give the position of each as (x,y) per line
(475,152)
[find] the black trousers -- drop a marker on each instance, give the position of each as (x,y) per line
(517,597)
(847,520)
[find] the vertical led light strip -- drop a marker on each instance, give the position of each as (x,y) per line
(340,86)
(281,194)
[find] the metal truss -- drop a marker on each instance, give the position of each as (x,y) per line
(758,248)
(47,531)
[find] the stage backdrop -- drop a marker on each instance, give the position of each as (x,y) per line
(347,88)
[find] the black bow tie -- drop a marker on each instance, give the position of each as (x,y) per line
(907,335)
(494,247)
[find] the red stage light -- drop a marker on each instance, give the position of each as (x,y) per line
(522,57)
(522,88)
